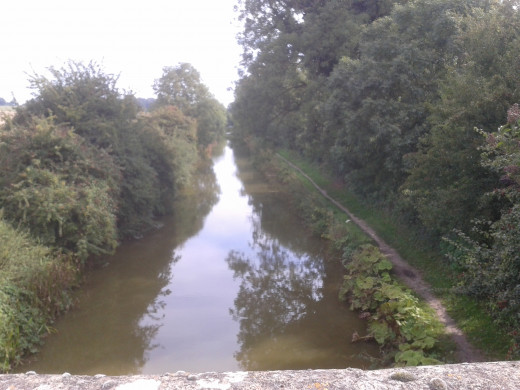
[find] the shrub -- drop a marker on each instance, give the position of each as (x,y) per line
(490,263)
(34,287)
(59,188)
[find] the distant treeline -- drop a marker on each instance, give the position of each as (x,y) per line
(413,104)
(82,167)
(146,103)
(12,103)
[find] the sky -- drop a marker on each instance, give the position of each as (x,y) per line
(134,39)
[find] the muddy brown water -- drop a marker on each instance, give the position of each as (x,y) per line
(232,281)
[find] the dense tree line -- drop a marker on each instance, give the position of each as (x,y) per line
(81,168)
(402,100)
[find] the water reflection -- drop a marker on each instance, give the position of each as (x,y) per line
(287,306)
(162,304)
(121,307)
(277,291)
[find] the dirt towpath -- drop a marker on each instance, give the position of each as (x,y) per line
(409,276)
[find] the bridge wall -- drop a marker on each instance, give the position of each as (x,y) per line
(497,375)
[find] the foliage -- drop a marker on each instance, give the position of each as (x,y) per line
(59,187)
(168,138)
(211,122)
(446,180)
(153,162)
(87,99)
(33,289)
(289,48)
(84,97)
(386,96)
(396,318)
(490,267)
(376,120)
(181,87)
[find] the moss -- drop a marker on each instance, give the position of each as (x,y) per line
(437,384)
(403,376)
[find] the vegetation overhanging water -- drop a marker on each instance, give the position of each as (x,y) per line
(232,281)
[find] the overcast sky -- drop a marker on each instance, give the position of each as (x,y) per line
(135,39)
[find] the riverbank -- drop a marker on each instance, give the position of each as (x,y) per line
(407,329)
(498,375)
(77,182)
(472,320)
(259,294)
(409,276)
(35,287)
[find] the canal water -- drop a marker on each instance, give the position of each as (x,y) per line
(232,281)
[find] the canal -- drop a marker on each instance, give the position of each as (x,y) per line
(232,281)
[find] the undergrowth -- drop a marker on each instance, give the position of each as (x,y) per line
(397,320)
(34,285)
(470,315)
(406,329)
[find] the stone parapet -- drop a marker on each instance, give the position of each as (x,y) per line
(485,376)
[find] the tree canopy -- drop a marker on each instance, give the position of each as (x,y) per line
(387,96)
(181,86)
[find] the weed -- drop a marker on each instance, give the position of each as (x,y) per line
(34,285)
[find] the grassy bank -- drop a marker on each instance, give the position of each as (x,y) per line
(470,316)
(34,285)
(406,329)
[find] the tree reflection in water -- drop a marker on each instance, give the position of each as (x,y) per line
(121,307)
(287,304)
(279,290)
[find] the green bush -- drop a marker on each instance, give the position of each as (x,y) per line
(154,153)
(490,264)
(59,188)
(34,285)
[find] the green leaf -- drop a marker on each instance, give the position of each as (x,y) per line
(381,332)
(409,357)
(365,283)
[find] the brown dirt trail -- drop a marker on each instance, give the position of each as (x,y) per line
(409,276)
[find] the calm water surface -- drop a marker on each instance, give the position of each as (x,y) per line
(231,282)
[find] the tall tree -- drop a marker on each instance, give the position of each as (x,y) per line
(378,102)
(446,181)
(490,265)
(290,49)
(181,86)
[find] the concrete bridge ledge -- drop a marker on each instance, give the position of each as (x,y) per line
(485,376)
